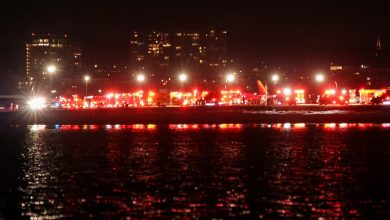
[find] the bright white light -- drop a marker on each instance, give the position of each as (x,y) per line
(230,77)
(287,91)
(37,127)
(286,125)
(87,78)
(275,78)
(140,78)
(37,103)
(344,91)
(51,69)
(320,77)
(183,77)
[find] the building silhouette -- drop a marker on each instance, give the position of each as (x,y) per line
(52,60)
(163,53)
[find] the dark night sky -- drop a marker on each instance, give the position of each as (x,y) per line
(283,32)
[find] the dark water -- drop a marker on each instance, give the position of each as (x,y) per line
(196,171)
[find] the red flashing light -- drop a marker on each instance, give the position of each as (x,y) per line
(330,92)
(110,95)
(287,91)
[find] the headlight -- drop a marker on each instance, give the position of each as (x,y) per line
(37,103)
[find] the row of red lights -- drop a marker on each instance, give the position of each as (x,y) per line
(151,127)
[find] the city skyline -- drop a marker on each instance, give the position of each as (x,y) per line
(286,34)
(239,109)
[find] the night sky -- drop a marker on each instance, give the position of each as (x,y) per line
(285,33)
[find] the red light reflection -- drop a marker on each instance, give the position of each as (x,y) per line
(298,126)
(230,126)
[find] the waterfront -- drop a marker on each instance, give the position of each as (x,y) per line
(198,114)
(195,170)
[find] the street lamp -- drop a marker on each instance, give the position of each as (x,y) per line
(275,78)
(230,78)
(320,77)
(140,78)
(51,69)
(86,79)
(182,78)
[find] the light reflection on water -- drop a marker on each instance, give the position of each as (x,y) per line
(196,171)
(196,127)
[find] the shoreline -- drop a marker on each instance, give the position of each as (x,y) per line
(202,115)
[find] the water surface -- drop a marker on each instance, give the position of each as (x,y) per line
(195,171)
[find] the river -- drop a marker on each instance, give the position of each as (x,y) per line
(195,171)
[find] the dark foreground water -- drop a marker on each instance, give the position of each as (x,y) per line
(195,171)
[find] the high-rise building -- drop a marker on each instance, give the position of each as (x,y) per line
(217,49)
(152,49)
(169,51)
(137,48)
(159,46)
(189,47)
(50,58)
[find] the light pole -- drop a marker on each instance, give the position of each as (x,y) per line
(51,69)
(86,79)
(230,78)
(275,78)
(140,78)
(320,77)
(182,78)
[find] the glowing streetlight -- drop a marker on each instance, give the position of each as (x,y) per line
(230,77)
(86,79)
(183,77)
(140,78)
(51,69)
(275,78)
(320,77)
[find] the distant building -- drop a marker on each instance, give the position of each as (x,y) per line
(360,76)
(49,51)
(138,46)
(171,51)
(374,72)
